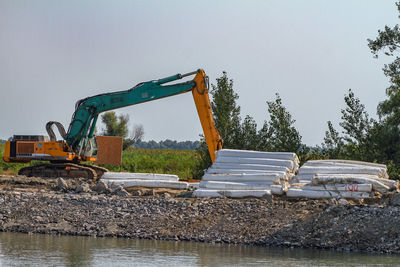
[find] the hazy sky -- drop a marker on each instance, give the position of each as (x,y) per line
(53,53)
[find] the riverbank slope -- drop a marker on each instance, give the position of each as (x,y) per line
(340,225)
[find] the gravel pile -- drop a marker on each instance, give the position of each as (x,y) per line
(268,222)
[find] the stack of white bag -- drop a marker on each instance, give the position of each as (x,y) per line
(127,179)
(340,179)
(245,173)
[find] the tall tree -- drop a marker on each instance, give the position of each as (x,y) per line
(279,133)
(136,136)
(355,120)
(333,142)
(226,111)
(115,125)
(388,42)
(118,126)
(355,143)
(385,134)
(248,134)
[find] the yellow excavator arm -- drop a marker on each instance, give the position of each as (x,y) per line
(203,106)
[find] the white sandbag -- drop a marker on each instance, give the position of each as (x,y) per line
(201,192)
(336,187)
(339,165)
(344,162)
(276,190)
(256,154)
(294,185)
(141,176)
(149,183)
(291,165)
(341,170)
(235,171)
(304,181)
(393,185)
(293,192)
(244,177)
(376,186)
(390,183)
(375,171)
(305,176)
(258,167)
(235,185)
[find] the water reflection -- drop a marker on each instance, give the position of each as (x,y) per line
(22,249)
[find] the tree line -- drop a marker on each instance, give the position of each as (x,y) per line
(361,137)
(168,144)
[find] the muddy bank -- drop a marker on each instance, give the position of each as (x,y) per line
(355,226)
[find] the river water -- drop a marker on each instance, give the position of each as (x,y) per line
(47,250)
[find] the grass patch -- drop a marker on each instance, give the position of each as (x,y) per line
(179,162)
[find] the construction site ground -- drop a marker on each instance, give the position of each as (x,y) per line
(37,206)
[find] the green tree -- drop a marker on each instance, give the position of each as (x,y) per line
(279,134)
(118,126)
(356,142)
(355,120)
(248,135)
(356,127)
(115,125)
(385,133)
(388,42)
(226,111)
(203,161)
(333,142)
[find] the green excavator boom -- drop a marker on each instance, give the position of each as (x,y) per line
(82,126)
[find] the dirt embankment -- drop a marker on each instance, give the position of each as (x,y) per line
(32,205)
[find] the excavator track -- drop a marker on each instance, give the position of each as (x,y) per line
(66,170)
(99,170)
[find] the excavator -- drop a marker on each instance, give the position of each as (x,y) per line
(65,156)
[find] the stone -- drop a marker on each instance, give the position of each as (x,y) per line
(137,193)
(343,201)
(310,223)
(149,193)
(268,197)
(166,195)
(120,191)
(84,187)
(101,187)
(62,184)
(185,194)
(395,200)
(333,201)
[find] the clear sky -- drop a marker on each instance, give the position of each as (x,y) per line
(53,53)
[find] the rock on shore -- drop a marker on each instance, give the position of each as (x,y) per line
(35,207)
(275,222)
